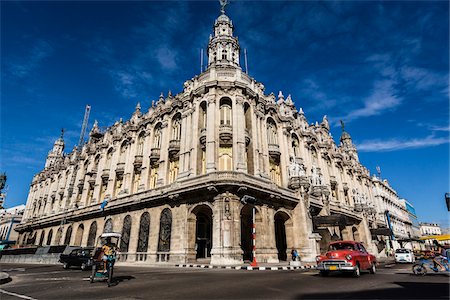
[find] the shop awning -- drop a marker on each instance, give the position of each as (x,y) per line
(442,237)
(333,220)
(381,231)
(410,240)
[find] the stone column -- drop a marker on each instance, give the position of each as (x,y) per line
(134,232)
(211,133)
(185,141)
(266,249)
(226,248)
(145,168)
(284,158)
(309,246)
(164,158)
(178,235)
(264,149)
(129,167)
(112,172)
(240,163)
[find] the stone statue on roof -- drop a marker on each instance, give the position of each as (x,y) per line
(223,3)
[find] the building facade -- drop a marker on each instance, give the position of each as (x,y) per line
(172,179)
(9,219)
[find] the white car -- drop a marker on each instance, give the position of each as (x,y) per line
(404,256)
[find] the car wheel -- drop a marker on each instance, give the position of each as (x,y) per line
(66,266)
(324,273)
(83,266)
(373,269)
(357,272)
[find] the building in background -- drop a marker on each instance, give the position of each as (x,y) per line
(9,219)
(392,211)
(431,232)
(172,179)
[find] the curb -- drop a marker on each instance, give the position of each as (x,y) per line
(247,268)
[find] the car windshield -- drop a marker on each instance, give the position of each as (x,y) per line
(402,251)
(342,246)
(86,252)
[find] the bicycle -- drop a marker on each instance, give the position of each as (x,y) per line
(422,265)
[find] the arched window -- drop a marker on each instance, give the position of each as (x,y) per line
(176,127)
(144,228)
(226,112)
(140,144)
(295,146)
(109,155)
(157,137)
(174,166)
(224,54)
(126,230)
(49,237)
(275,170)
(92,234)
(225,158)
(165,230)
(79,235)
(314,155)
(272,136)
(96,162)
(202,115)
(103,188)
(58,236)
(41,240)
(153,178)
(123,152)
(108,226)
(68,236)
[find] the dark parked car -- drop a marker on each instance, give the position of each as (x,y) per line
(80,257)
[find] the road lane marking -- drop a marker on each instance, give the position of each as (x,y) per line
(16,295)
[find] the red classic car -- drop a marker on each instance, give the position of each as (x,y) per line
(346,256)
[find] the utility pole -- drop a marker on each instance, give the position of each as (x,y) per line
(245,60)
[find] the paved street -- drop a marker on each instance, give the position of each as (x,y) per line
(52,282)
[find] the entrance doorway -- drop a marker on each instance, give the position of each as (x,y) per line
(200,236)
(280,234)
(203,234)
(246,232)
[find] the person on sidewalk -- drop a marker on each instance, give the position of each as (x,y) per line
(294,254)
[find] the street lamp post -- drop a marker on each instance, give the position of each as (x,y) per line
(252,200)
(447,200)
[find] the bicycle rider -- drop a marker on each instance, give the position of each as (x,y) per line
(109,253)
(439,255)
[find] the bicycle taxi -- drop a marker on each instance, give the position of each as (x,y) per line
(105,258)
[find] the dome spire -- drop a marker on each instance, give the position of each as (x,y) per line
(223,46)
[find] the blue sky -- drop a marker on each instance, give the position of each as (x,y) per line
(382,66)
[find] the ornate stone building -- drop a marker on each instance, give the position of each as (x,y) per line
(174,176)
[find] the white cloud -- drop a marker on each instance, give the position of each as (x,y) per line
(166,57)
(383,98)
(37,54)
(398,144)
(423,79)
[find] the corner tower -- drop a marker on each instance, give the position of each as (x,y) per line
(223,47)
(56,152)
